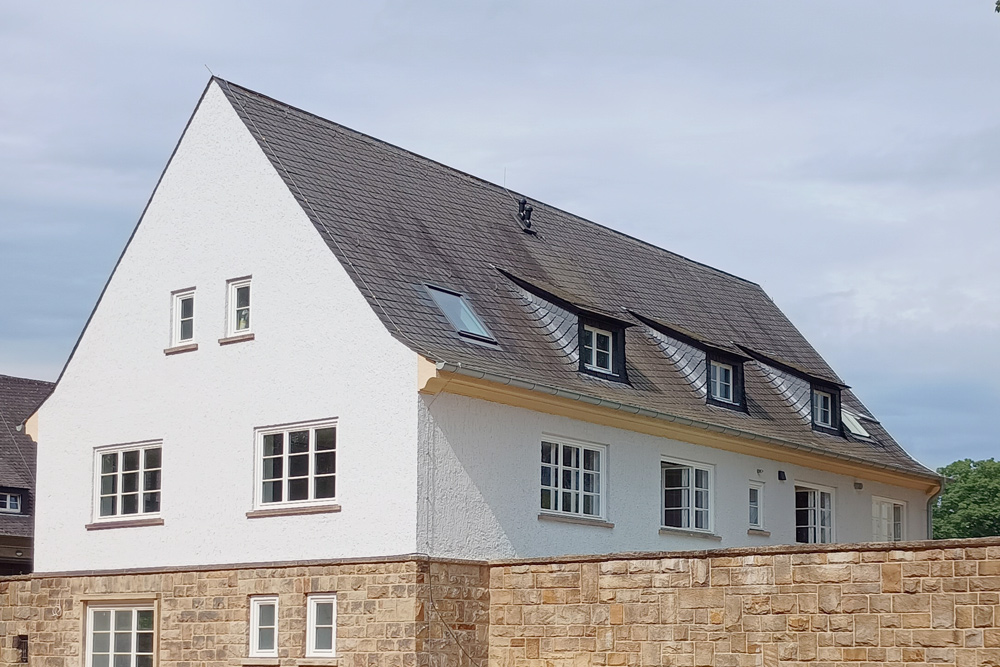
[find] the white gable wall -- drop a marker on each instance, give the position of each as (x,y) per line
(221,212)
(480,471)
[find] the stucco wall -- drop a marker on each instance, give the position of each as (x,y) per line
(479,481)
(222,212)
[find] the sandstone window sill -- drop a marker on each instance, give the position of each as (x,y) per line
(240,338)
(260,662)
(292,511)
(317,662)
(545,516)
(124,523)
(690,533)
(757,532)
(178,349)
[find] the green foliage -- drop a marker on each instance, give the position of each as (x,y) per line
(970,503)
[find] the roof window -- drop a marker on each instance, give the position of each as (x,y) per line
(602,349)
(826,409)
(460,314)
(853,424)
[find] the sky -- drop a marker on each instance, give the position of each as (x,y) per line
(843,155)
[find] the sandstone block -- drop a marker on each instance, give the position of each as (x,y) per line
(892,578)
(699,598)
(818,574)
(938,638)
(910,603)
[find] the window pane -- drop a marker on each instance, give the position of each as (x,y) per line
(101,642)
(674,477)
(324,613)
(123,660)
(102,620)
(109,484)
(130,482)
(603,343)
(151,481)
(298,489)
(143,661)
(298,466)
(701,479)
(151,502)
(130,460)
(187,329)
(547,448)
(673,518)
(547,499)
(603,360)
(109,505)
(326,438)
(802,534)
(271,492)
(591,459)
(130,503)
(102,661)
(459,313)
(298,442)
(265,615)
(144,642)
(109,463)
(273,468)
(243,297)
(546,476)
(242,319)
(754,516)
(324,639)
(325,463)
(187,307)
(326,487)
(265,639)
(152,457)
(272,444)
(123,620)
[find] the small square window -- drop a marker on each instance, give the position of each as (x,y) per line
(183,318)
(127,481)
(321,623)
(686,499)
(264,626)
(572,479)
(297,464)
(756,504)
(10,502)
(120,636)
(238,299)
(460,314)
(597,349)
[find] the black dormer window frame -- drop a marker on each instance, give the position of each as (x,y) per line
(833,428)
(739,395)
(471,336)
(618,371)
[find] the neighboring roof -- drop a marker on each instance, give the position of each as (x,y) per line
(397,220)
(19,397)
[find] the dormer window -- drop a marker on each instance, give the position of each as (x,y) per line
(460,314)
(596,349)
(826,409)
(725,380)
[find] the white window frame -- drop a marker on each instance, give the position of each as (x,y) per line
(558,470)
(878,503)
(7,499)
(176,308)
(120,449)
(135,608)
(593,366)
(256,602)
(313,600)
(714,370)
(817,508)
(757,486)
(232,289)
(672,462)
(817,408)
(310,426)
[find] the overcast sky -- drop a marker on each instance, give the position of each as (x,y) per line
(845,155)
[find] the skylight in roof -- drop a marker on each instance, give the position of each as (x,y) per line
(853,424)
(460,314)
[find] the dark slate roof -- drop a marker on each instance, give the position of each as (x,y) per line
(397,221)
(18,399)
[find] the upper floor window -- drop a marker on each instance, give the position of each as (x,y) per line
(596,349)
(888,520)
(183,317)
(238,298)
(825,409)
(686,495)
(297,464)
(721,381)
(813,515)
(10,502)
(572,479)
(128,480)
(460,314)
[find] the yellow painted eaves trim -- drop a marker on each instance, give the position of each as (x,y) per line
(461,381)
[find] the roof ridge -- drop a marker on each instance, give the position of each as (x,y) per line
(478,179)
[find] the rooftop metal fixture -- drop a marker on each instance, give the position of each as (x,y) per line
(524,210)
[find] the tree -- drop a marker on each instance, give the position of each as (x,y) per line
(969,506)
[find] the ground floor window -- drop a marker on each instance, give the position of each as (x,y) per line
(813,515)
(571,479)
(120,636)
(321,634)
(264,627)
(887,520)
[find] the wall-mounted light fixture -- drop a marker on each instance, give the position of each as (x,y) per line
(859,486)
(781,476)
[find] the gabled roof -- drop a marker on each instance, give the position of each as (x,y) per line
(18,399)
(397,220)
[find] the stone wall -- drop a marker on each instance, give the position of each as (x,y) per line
(923,602)
(389,614)
(878,604)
